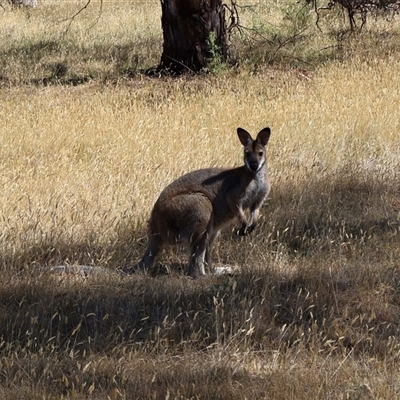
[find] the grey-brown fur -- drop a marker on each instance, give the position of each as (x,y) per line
(195,207)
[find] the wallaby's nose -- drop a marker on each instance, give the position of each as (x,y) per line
(253,166)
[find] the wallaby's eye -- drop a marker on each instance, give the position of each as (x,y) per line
(260,153)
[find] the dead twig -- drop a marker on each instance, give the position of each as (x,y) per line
(71,19)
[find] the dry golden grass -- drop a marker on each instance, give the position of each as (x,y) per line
(49,45)
(314,311)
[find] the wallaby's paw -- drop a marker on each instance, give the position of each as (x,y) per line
(225,270)
(195,274)
(243,231)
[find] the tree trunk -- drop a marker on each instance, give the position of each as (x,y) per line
(193,31)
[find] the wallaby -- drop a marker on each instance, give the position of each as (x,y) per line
(195,207)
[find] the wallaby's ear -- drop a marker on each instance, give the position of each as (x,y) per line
(263,136)
(244,137)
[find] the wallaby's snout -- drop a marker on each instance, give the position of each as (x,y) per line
(254,160)
(196,206)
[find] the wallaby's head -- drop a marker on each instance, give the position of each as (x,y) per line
(254,150)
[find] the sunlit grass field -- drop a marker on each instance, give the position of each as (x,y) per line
(88,141)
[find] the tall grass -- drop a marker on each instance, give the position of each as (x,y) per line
(60,43)
(313,311)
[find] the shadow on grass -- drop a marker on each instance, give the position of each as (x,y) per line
(59,62)
(260,307)
(260,310)
(62,62)
(348,209)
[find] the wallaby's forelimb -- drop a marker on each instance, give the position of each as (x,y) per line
(246,226)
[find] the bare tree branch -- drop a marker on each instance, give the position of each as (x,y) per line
(359,7)
(71,19)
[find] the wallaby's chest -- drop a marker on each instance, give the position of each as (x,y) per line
(255,192)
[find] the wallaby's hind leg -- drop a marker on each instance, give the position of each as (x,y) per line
(197,256)
(209,249)
(192,219)
(200,256)
(153,248)
(201,249)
